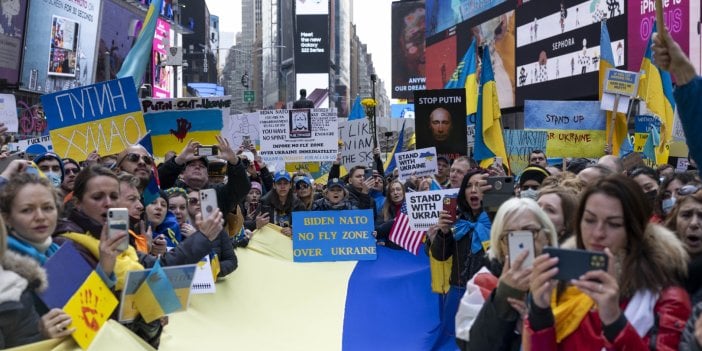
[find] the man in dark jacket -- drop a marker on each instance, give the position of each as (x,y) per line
(359,187)
(278,205)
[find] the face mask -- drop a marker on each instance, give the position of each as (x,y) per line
(54,178)
(651,195)
(667,205)
(529,194)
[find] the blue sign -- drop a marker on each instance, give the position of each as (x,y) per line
(324,236)
(563,115)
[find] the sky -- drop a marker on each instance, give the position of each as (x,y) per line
(372,19)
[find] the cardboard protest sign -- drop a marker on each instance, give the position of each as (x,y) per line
(298,135)
(104,116)
(156,297)
(418,163)
(241,129)
(63,283)
(180,277)
(173,122)
(440,118)
(322,236)
(520,143)
(356,143)
(423,207)
(575,128)
(8,112)
(34,146)
(89,308)
(642,126)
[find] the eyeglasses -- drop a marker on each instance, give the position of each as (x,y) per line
(532,187)
(534,231)
(689,189)
(193,201)
(134,157)
(69,171)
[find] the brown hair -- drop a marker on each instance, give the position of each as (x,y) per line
(569,206)
(81,184)
(18,182)
(672,219)
(387,215)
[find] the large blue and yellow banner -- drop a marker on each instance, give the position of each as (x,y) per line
(173,122)
(105,117)
(574,128)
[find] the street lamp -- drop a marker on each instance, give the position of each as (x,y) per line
(374,78)
(245,79)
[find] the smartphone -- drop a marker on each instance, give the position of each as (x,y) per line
(368,173)
(520,241)
(208,202)
(502,189)
(118,221)
(247,141)
(574,263)
(206,150)
(32,170)
(450,203)
(498,161)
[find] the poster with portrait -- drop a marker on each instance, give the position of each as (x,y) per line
(440,121)
(13,14)
(64,44)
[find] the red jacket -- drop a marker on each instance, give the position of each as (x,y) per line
(672,310)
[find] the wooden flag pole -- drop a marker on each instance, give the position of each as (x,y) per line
(659,17)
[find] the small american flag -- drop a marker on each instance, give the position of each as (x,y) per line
(401,233)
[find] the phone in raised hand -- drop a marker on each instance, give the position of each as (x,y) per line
(118,221)
(208,202)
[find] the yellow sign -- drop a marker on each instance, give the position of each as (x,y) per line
(89,308)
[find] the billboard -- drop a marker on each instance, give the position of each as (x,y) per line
(59,50)
(11,34)
(441,60)
(312,50)
(118,30)
(444,14)
(642,16)
(557,55)
(161,75)
(408,60)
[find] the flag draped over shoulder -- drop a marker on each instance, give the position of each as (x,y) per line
(464,77)
(656,89)
(621,144)
(134,64)
(489,141)
(390,163)
(357,111)
(401,233)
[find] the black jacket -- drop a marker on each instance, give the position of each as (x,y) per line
(280,214)
(222,246)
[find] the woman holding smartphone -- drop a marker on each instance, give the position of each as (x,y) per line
(636,304)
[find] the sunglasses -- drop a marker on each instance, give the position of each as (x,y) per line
(68,171)
(193,201)
(134,157)
(689,189)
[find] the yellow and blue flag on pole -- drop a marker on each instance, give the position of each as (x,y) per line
(656,89)
(489,141)
(464,76)
(357,111)
(621,144)
(139,56)
(390,163)
(155,297)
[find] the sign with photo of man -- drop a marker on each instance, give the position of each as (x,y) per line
(440,118)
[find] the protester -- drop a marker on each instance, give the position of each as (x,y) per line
(136,160)
(178,205)
(303,190)
(497,326)
(129,198)
(560,205)
(377,191)
(593,173)
(70,171)
(648,180)
(614,163)
(459,168)
(646,265)
(668,190)
(335,198)
(665,170)
(358,188)
(538,158)
(686,221)
(162,221)
(252,205)
(52,167)
(530,181)
(443,169)
(278,205)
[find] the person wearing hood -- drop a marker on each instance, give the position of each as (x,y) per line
(163,222)
(52,167)
(335,198)
(530,181)
(278,205)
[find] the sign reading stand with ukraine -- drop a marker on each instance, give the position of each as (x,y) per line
(105,117)
(173,122)
(323,236)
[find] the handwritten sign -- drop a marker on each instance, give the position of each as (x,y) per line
(173,122)
(419,163)
(423,207)
(180,277)
(89,308)
(104,116)
(240,128)
(520,143)
(642,126)
(323,236)
(34,146)
(575,128)
(356,143)
(298,135)
(8,112)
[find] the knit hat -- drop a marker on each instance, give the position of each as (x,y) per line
(50,155)
(257,185)
(533,172)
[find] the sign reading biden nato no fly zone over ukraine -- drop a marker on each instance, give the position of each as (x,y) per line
(323,236)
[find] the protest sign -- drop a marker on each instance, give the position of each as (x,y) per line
(203,281)
(180,277)
(89,308)
(357,143)
(642,126)
(173,122)
(63,283)
(423,207)
(440,117)
(418,163)
(575,128)
(241,129)
(322,236)
(104,116)
(156,297)
(8,112)
(298,135)
(520,143)
(389,130)
(34,146)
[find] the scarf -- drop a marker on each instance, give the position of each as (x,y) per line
(481,228)
(573,306)
(340,206)
(24,248)
(126,261)
(639,311)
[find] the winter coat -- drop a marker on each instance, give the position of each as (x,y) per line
(278,213)
(20,277)
(222,246)
(324,205)
(688,342)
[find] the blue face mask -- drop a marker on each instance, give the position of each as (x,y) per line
(667,205)
(529,194)
(54,178)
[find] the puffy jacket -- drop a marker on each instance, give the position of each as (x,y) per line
(19,277)
(689,341)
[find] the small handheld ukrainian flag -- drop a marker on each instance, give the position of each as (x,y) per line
(155,297)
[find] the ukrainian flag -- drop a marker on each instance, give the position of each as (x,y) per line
(386,304)
(357,111)
(620,138)
(139,55)
(656,89)
(390,163)
(171,130)
(156,297)
(489,141)
(464,76)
